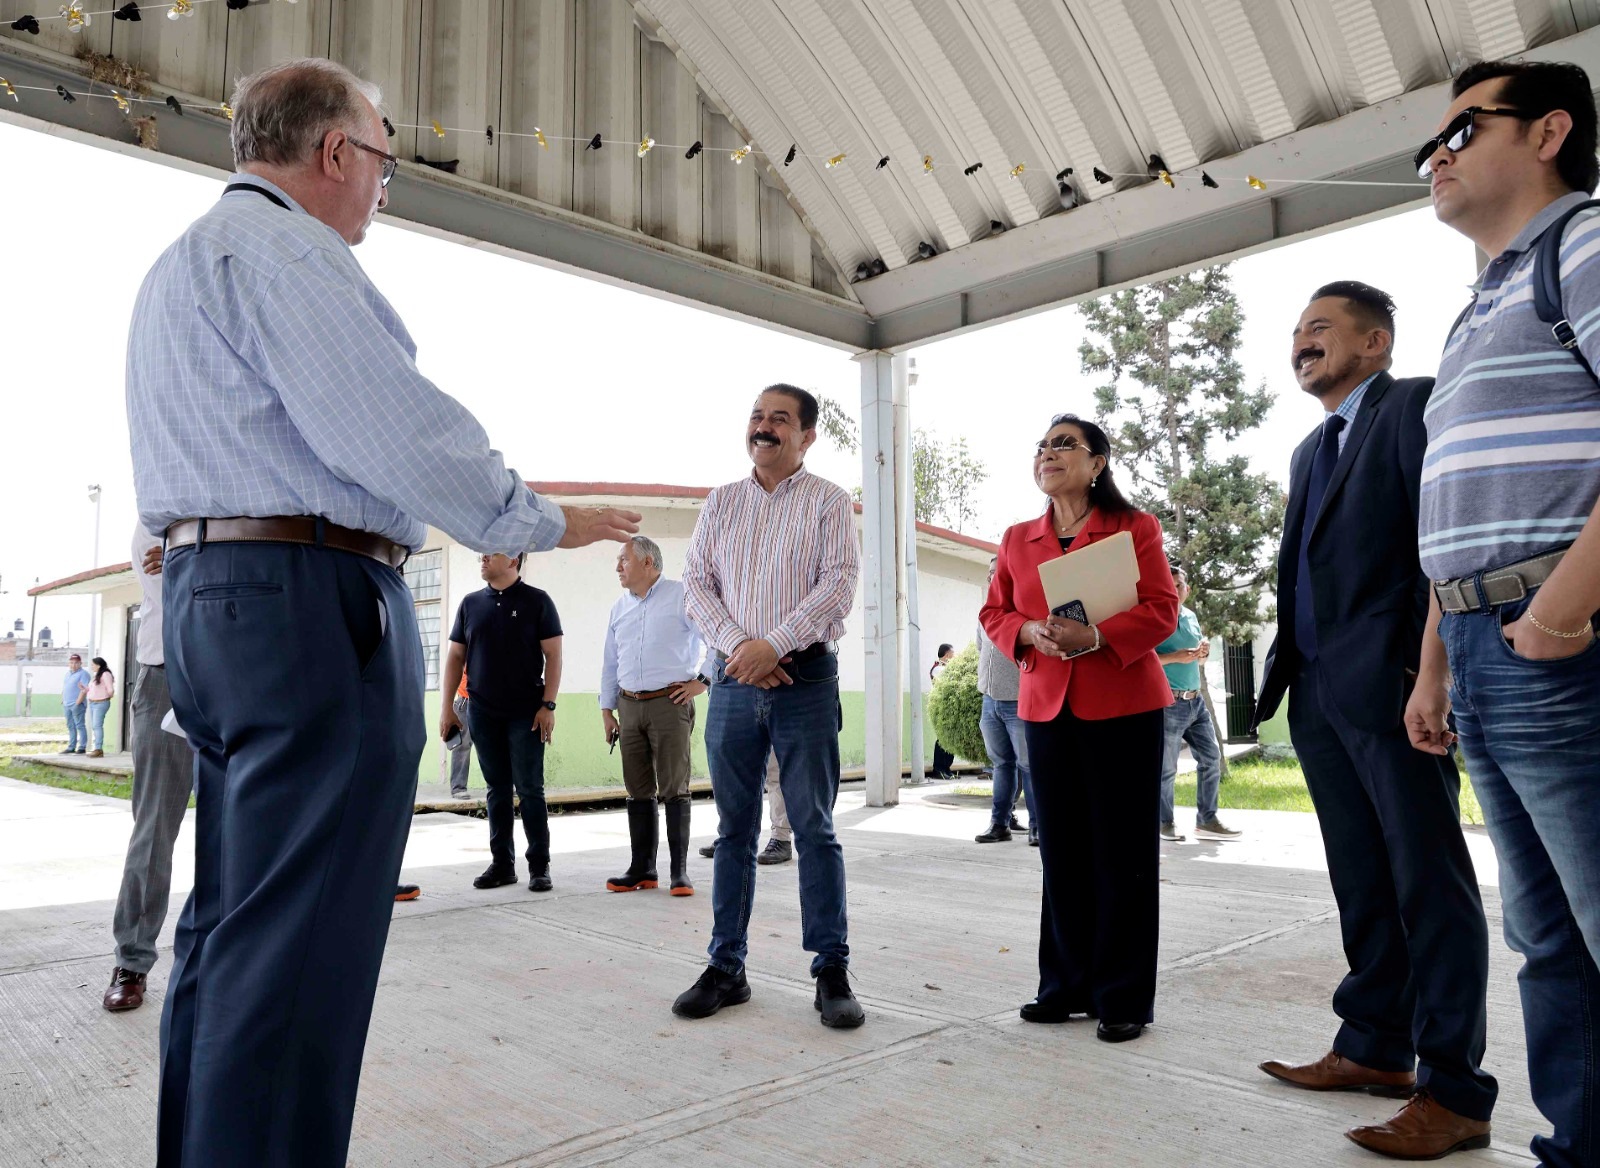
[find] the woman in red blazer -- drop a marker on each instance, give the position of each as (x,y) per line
(1094,730)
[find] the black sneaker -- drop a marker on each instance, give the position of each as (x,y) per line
(494,876)
(709,851)
(540,881)
(712,991)
(998,833)
(834,1000)
(776,852)
(1014,825)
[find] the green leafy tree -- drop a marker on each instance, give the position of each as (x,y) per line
(1172,397)
(955,707)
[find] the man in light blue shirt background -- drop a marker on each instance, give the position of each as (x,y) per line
(654,665)
(73,688)
(1182,655)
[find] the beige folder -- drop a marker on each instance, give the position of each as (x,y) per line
(1103,577)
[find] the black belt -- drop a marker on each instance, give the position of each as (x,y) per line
(304,529)
(813,650)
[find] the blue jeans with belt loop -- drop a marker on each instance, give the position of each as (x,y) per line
(800,724)
(1007,746)
(1530,736)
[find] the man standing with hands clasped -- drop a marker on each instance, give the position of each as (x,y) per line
(770,577)
(1351,602)
(651,670)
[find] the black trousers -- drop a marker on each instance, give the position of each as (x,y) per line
(1409,910)
(1097,785)
(511,757)
(943,760)
(297,674)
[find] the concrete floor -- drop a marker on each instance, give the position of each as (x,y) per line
(514,1029)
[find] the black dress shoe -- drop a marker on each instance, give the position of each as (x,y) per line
(1037,1011)
(540,881)
(1118,1031)
(709,851)
(712,991)
(1033,834)
(834,1000)
(494,876)
(998,833)
(1013,824)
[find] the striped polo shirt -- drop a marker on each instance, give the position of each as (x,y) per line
(1513,462)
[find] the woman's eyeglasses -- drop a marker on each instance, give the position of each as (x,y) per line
(1063,442)
(1455,136)
(389,160)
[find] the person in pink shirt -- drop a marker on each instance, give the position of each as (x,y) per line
(99,691)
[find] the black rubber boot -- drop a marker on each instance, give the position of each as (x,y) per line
(678,845)
(641,872)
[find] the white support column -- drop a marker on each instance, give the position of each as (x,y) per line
(879,571)
(912,631)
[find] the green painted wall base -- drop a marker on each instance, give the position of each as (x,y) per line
(44,705)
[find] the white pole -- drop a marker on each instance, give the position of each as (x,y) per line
(905,378)
(879,567)
(94,562)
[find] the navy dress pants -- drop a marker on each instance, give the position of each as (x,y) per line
(1409,910)
(296,671)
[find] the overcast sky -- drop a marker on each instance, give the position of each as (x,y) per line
(573,379)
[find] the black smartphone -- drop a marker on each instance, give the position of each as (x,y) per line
(453,737)
(1072,610)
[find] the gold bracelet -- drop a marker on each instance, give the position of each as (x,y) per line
(1588,627)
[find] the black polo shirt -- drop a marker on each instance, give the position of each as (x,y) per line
(505,662)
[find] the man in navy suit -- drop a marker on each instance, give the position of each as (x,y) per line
(1352,602)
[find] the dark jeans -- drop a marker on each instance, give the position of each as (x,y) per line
(1007,745)
(305,713)
(1409,910)
(800,724)
(511,757)
(1530,735)
(1096,784)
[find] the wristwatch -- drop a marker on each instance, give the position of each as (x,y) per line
(702,679)
(549,705)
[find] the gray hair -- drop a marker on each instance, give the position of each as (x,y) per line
(647,549)
(282,114)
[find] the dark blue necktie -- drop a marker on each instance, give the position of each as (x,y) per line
(1322,464)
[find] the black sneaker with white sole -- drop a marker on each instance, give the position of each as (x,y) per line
(834,1001)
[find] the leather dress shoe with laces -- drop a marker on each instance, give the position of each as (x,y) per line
(711,991)
(126,991)
(1118,1031)
(776,852)
(1334,1072)
(494,876)
(1037,1011)
(834,1000)
(998,833)
(1424,1129)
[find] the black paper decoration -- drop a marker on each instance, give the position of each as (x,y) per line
(388,127)
(594,143)
(448,167)
(973,169)
(66,94)
(789,157)
(1101,176)
(883,162)
(1207,181)
(695,149)
(129,11)
(172,104)
(26,24)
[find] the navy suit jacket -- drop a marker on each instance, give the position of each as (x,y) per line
(1369,594)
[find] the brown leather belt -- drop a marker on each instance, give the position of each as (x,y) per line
(1186,695)
(648,694)
(287,529)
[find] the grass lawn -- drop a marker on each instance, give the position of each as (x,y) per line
(1276,784)
(116,786)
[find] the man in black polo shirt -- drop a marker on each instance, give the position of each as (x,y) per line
(508,637)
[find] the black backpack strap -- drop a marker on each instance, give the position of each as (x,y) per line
(1547,283)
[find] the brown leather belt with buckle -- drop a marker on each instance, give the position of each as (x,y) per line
(1186,695)
(1502,586)
(648,694)
(286,529)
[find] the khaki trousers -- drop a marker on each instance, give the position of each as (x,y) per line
(655,747)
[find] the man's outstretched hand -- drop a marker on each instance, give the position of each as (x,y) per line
(587,525)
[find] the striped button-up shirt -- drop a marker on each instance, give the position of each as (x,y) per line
(267,376)
(781,567)
(650,643)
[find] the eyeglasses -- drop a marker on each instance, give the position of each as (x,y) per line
(1455,136)
(389,160)
(1062,442)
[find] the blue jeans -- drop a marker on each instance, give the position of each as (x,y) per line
(799,723)
(1531,741)
(1189,721)
(97,722)
(1008,751)
(77,735)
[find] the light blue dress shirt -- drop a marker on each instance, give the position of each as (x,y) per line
(650,643)
(1347,409)
(268,376)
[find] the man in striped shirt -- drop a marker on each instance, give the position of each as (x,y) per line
(770,576)
(1509,537)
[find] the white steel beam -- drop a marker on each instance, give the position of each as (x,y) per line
(879,570)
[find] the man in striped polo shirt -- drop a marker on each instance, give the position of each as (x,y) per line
(769,578)
(1509,536)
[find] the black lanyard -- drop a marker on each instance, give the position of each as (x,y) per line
(262,191)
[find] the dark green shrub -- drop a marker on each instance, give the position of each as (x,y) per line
(955,708)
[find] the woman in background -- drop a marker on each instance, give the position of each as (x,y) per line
(99,691)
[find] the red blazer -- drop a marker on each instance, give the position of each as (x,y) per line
(1123,677)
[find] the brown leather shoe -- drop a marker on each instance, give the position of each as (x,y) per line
(126,991)
(1424,1129)
(1334,1072)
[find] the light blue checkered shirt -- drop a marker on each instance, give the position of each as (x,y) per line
(267,376)
(1347,409)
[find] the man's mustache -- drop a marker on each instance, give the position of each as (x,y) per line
(764,434)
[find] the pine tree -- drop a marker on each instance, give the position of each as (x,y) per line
(1173,395)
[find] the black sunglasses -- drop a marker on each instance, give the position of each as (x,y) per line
(1455,136)
(390,162)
